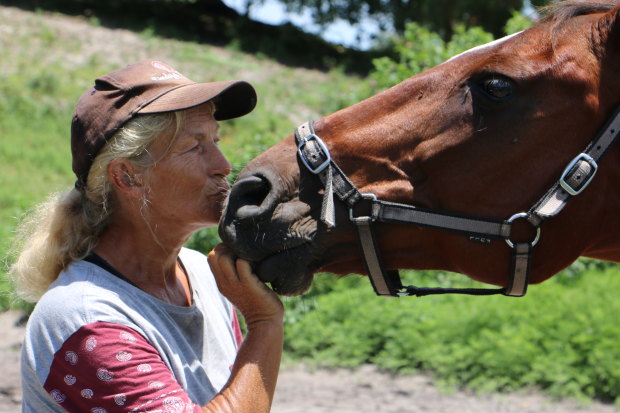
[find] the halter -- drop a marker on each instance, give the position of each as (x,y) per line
(577,175)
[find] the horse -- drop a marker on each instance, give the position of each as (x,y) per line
(489,165)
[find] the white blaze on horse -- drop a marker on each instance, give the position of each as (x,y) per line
(499,164)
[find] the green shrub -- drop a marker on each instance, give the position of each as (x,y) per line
(558,338)
(517,22)
(420,49)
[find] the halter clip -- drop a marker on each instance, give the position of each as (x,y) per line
(302,155)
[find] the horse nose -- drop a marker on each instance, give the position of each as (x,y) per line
(250,198)
(251,202)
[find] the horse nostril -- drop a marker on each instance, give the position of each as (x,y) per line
(248,197)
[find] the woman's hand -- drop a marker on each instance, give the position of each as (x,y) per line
(234,277)
(254,375)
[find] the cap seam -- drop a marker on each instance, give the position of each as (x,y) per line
(140,107)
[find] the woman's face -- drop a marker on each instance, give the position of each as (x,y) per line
(187,186)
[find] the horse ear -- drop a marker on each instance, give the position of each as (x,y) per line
(607,33)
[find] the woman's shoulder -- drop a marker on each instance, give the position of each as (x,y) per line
(197,265)
(80,296)
(189,255)
(202,279)
(82,293)
(82,284)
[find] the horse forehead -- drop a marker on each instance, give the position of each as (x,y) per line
(486,46)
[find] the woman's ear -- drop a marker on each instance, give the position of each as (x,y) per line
(124,178)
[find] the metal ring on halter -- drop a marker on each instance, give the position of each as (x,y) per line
(517,216)
(372,197)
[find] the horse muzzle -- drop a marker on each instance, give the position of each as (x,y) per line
(263,224)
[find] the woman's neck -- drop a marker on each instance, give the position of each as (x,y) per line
(147,258)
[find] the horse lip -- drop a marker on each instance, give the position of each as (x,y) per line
(288,249)
(287,277)
(257,240)
(259,251)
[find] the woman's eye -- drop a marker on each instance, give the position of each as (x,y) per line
(195,148)
(498,88)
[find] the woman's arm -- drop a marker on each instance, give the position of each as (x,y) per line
(253,378)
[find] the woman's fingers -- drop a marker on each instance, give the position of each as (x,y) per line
(222,262)
(241,286)
(247,276)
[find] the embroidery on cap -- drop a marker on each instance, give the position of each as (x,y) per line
(162,66)
(167,76)
(172,74)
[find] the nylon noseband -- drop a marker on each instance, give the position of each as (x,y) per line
(577,175)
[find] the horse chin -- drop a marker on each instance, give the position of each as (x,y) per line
(288,272)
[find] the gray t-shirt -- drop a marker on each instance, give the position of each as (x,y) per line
(197,343)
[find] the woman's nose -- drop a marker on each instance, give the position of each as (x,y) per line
(219,165)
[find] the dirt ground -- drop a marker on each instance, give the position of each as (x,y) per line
(302,390)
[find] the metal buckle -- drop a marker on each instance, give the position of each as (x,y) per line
(564,184)
(517,216)
(372,197)
(318,140)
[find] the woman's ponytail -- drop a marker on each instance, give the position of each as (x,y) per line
(67,226)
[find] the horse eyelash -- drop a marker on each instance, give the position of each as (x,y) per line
(466,94)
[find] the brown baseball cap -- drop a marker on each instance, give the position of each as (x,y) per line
(145,87)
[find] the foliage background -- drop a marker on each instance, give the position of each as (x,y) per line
(562,337)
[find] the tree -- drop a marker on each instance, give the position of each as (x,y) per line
(419,49)
(440,16)
(213,22)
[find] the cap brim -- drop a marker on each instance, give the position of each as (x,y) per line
(234,98)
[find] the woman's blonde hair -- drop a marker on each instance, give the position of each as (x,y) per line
(67,226)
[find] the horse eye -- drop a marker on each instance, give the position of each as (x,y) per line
(498,88)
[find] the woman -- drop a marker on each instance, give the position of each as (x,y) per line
(127,319)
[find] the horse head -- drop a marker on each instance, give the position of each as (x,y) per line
(484,134)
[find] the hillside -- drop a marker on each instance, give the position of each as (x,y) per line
(213,22)
(50,59)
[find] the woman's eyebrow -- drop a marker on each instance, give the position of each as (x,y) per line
(202,134)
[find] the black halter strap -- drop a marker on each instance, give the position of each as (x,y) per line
(576,177)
